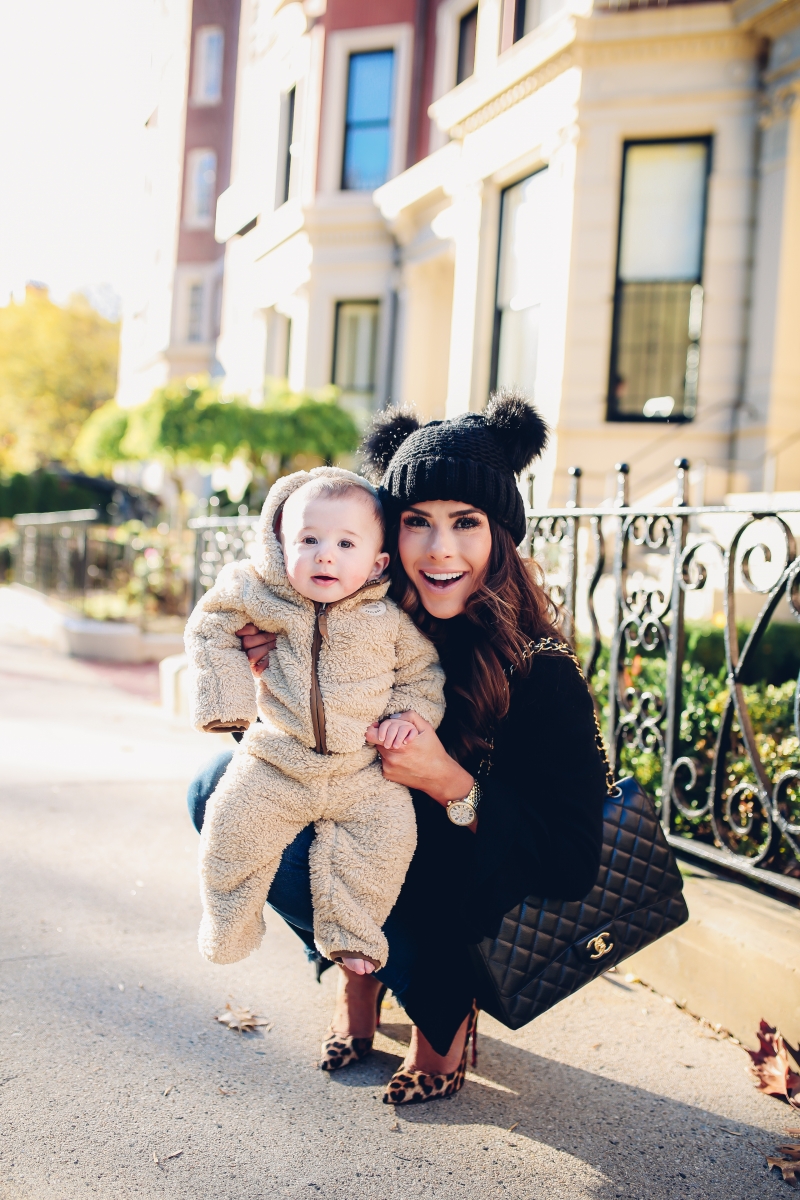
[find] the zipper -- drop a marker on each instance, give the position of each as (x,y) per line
(317,707)
(320,635)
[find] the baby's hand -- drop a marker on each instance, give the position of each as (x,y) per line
(393,733)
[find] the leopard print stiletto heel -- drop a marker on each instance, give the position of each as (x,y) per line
(339,1050)
(413,1087)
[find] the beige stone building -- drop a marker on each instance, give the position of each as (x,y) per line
(599,204)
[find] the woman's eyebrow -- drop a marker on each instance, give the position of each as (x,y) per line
(463,512)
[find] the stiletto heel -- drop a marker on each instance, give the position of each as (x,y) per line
(339,1050)
(414,1087)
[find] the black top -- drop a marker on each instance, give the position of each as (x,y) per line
(539,833)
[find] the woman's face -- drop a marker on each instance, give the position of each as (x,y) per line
(444,546)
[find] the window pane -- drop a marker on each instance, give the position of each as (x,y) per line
(467,33)
(662,211)
(659,298)
(369,89)
(367,144)
(285,142)
(524,269)
(205,180)
(355,354)
(366,162)
(195,316)
(209,48)
(535,12)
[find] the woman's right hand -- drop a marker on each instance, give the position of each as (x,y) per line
(257,646)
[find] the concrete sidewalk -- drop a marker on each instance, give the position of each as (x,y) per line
(110,1055)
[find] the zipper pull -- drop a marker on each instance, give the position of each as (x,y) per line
(322,621)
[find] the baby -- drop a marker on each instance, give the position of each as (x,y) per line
(345,658)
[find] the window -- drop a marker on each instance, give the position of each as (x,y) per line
(368,122)
(529,14)
(467,31)
(354,354)
(285,147)
(658,299)
(201,189)
(194,323)
(522,272)
(209,46)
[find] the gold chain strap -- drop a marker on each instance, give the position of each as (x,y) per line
(553,645)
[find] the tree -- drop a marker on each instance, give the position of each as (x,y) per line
(57,365)
(190,423)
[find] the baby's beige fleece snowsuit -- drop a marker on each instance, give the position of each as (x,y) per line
(336,669)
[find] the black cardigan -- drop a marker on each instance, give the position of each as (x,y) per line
(539,833)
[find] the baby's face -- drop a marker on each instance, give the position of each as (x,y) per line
(331,545)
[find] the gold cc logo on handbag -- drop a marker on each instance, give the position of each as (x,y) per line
(600,945)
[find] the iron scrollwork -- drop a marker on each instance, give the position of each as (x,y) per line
(728,797)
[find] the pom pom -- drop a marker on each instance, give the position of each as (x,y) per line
(390,429)
(518,426)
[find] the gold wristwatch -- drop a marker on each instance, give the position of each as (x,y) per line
(464,812)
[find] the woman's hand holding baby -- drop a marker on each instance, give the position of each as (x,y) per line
(422,762)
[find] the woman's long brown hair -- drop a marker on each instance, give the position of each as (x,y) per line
(509,609)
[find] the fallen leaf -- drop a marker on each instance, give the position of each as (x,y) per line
(241,1019)
(394,1128)
(224,1092)
(792,1151)
(787,1168)
(771,1066)
(792,1132)
(169,1089)
(511,1128)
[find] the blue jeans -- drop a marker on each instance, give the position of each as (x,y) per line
(290,894)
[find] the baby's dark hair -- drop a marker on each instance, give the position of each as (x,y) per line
(335,489)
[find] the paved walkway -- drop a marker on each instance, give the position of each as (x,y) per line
(110,1057)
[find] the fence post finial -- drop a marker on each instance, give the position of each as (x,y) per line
(575,487)
(682,482)
(621,498)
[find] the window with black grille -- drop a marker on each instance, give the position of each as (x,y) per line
(658,298)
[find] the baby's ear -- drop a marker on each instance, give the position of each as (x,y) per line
(380,565)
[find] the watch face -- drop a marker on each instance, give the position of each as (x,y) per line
(461,813)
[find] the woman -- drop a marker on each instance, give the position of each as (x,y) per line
(509,794)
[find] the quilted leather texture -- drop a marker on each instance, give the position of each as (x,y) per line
(546,949)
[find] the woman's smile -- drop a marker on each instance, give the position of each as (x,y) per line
(441,580)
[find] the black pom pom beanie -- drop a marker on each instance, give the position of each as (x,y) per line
(474,458)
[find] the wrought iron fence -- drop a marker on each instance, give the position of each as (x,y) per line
(51,554)
(720,755)
(218,540)
(123,572)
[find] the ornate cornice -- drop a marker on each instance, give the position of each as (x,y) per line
(588,52)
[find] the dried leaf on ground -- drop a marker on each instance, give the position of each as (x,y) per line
(241,1019)
(772,1068)
(167,1090)
(787,1168)
(791,1150)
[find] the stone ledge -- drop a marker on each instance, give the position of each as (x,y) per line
(736,960)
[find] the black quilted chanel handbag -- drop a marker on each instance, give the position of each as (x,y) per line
(547,949)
